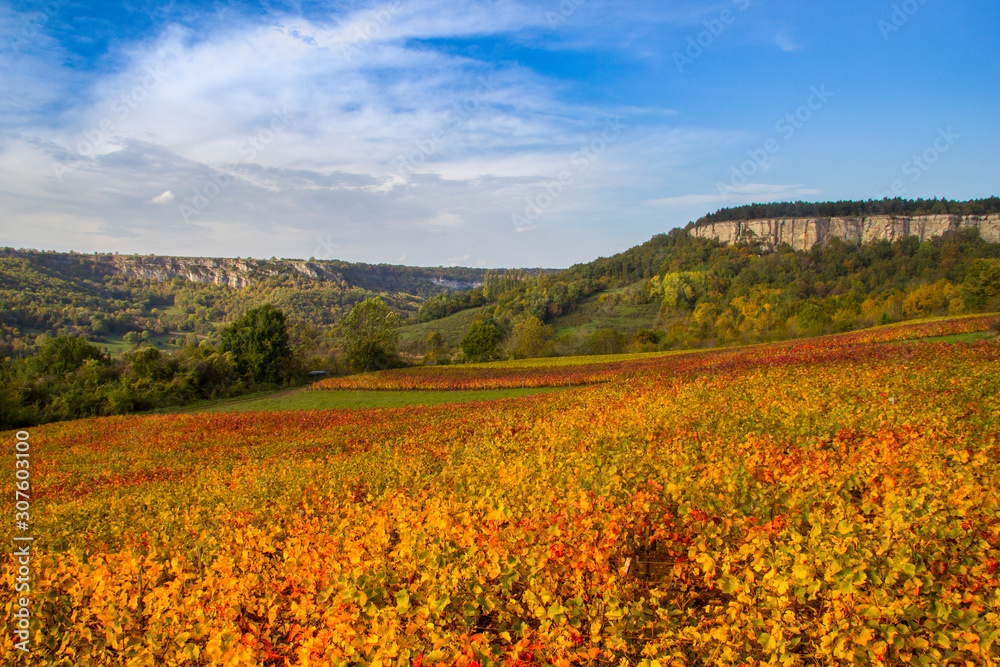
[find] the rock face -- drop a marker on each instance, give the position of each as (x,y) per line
(240,273)
(804,233)
(460,285)
(236,273)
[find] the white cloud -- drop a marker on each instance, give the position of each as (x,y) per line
(354,138)
(164,198)
(785,43)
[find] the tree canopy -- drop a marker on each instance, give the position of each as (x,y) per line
(258,341)
(370,335)
(480,343)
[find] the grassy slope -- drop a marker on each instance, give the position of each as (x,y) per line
(452,328)
(329,400)
(591,314)
(962,338)
(588,316)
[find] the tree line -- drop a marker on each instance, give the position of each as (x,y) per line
(853,209)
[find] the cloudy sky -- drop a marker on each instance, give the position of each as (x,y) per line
(474,132)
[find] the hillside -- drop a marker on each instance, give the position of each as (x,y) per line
(245,272)
(169,299)
(720,282)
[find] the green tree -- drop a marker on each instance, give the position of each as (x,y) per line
(527,339)
(63,355)
(370,335)
(606,341)
(812,319)
(981,285)
(480,343)
(258,342)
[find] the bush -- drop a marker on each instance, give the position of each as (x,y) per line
(480,343)
(606,341)
(528,339)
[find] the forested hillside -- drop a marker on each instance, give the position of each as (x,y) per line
(105,298)
(86,335)
(708,293)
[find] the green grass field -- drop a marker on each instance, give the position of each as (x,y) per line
(592,314)
(961,338)
(348,399)
(452,328)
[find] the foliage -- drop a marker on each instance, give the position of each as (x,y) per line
(815,502)
(32,392)
(370,335)
(258,342)
(606,341)
(575,371)
(102,297)
(527,338)
(63,355)
(981,287)
(480,343)
(711,294)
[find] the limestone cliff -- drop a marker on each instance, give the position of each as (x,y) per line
(804,233)
(239,273)
(236,273)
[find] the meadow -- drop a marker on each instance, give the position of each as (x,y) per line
(831,501)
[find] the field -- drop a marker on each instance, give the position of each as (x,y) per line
(833,501)
(569,371)
(330,400)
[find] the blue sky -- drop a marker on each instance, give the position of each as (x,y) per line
(474,132)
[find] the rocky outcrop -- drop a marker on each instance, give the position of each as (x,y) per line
(239,273)
(236,273)
(804,233)
(459,285)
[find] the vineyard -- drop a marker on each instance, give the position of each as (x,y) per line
(833,501)
(570,371)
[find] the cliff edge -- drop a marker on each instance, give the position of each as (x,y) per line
(804,233)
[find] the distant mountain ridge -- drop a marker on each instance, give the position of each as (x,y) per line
(239,273)
(802,233)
